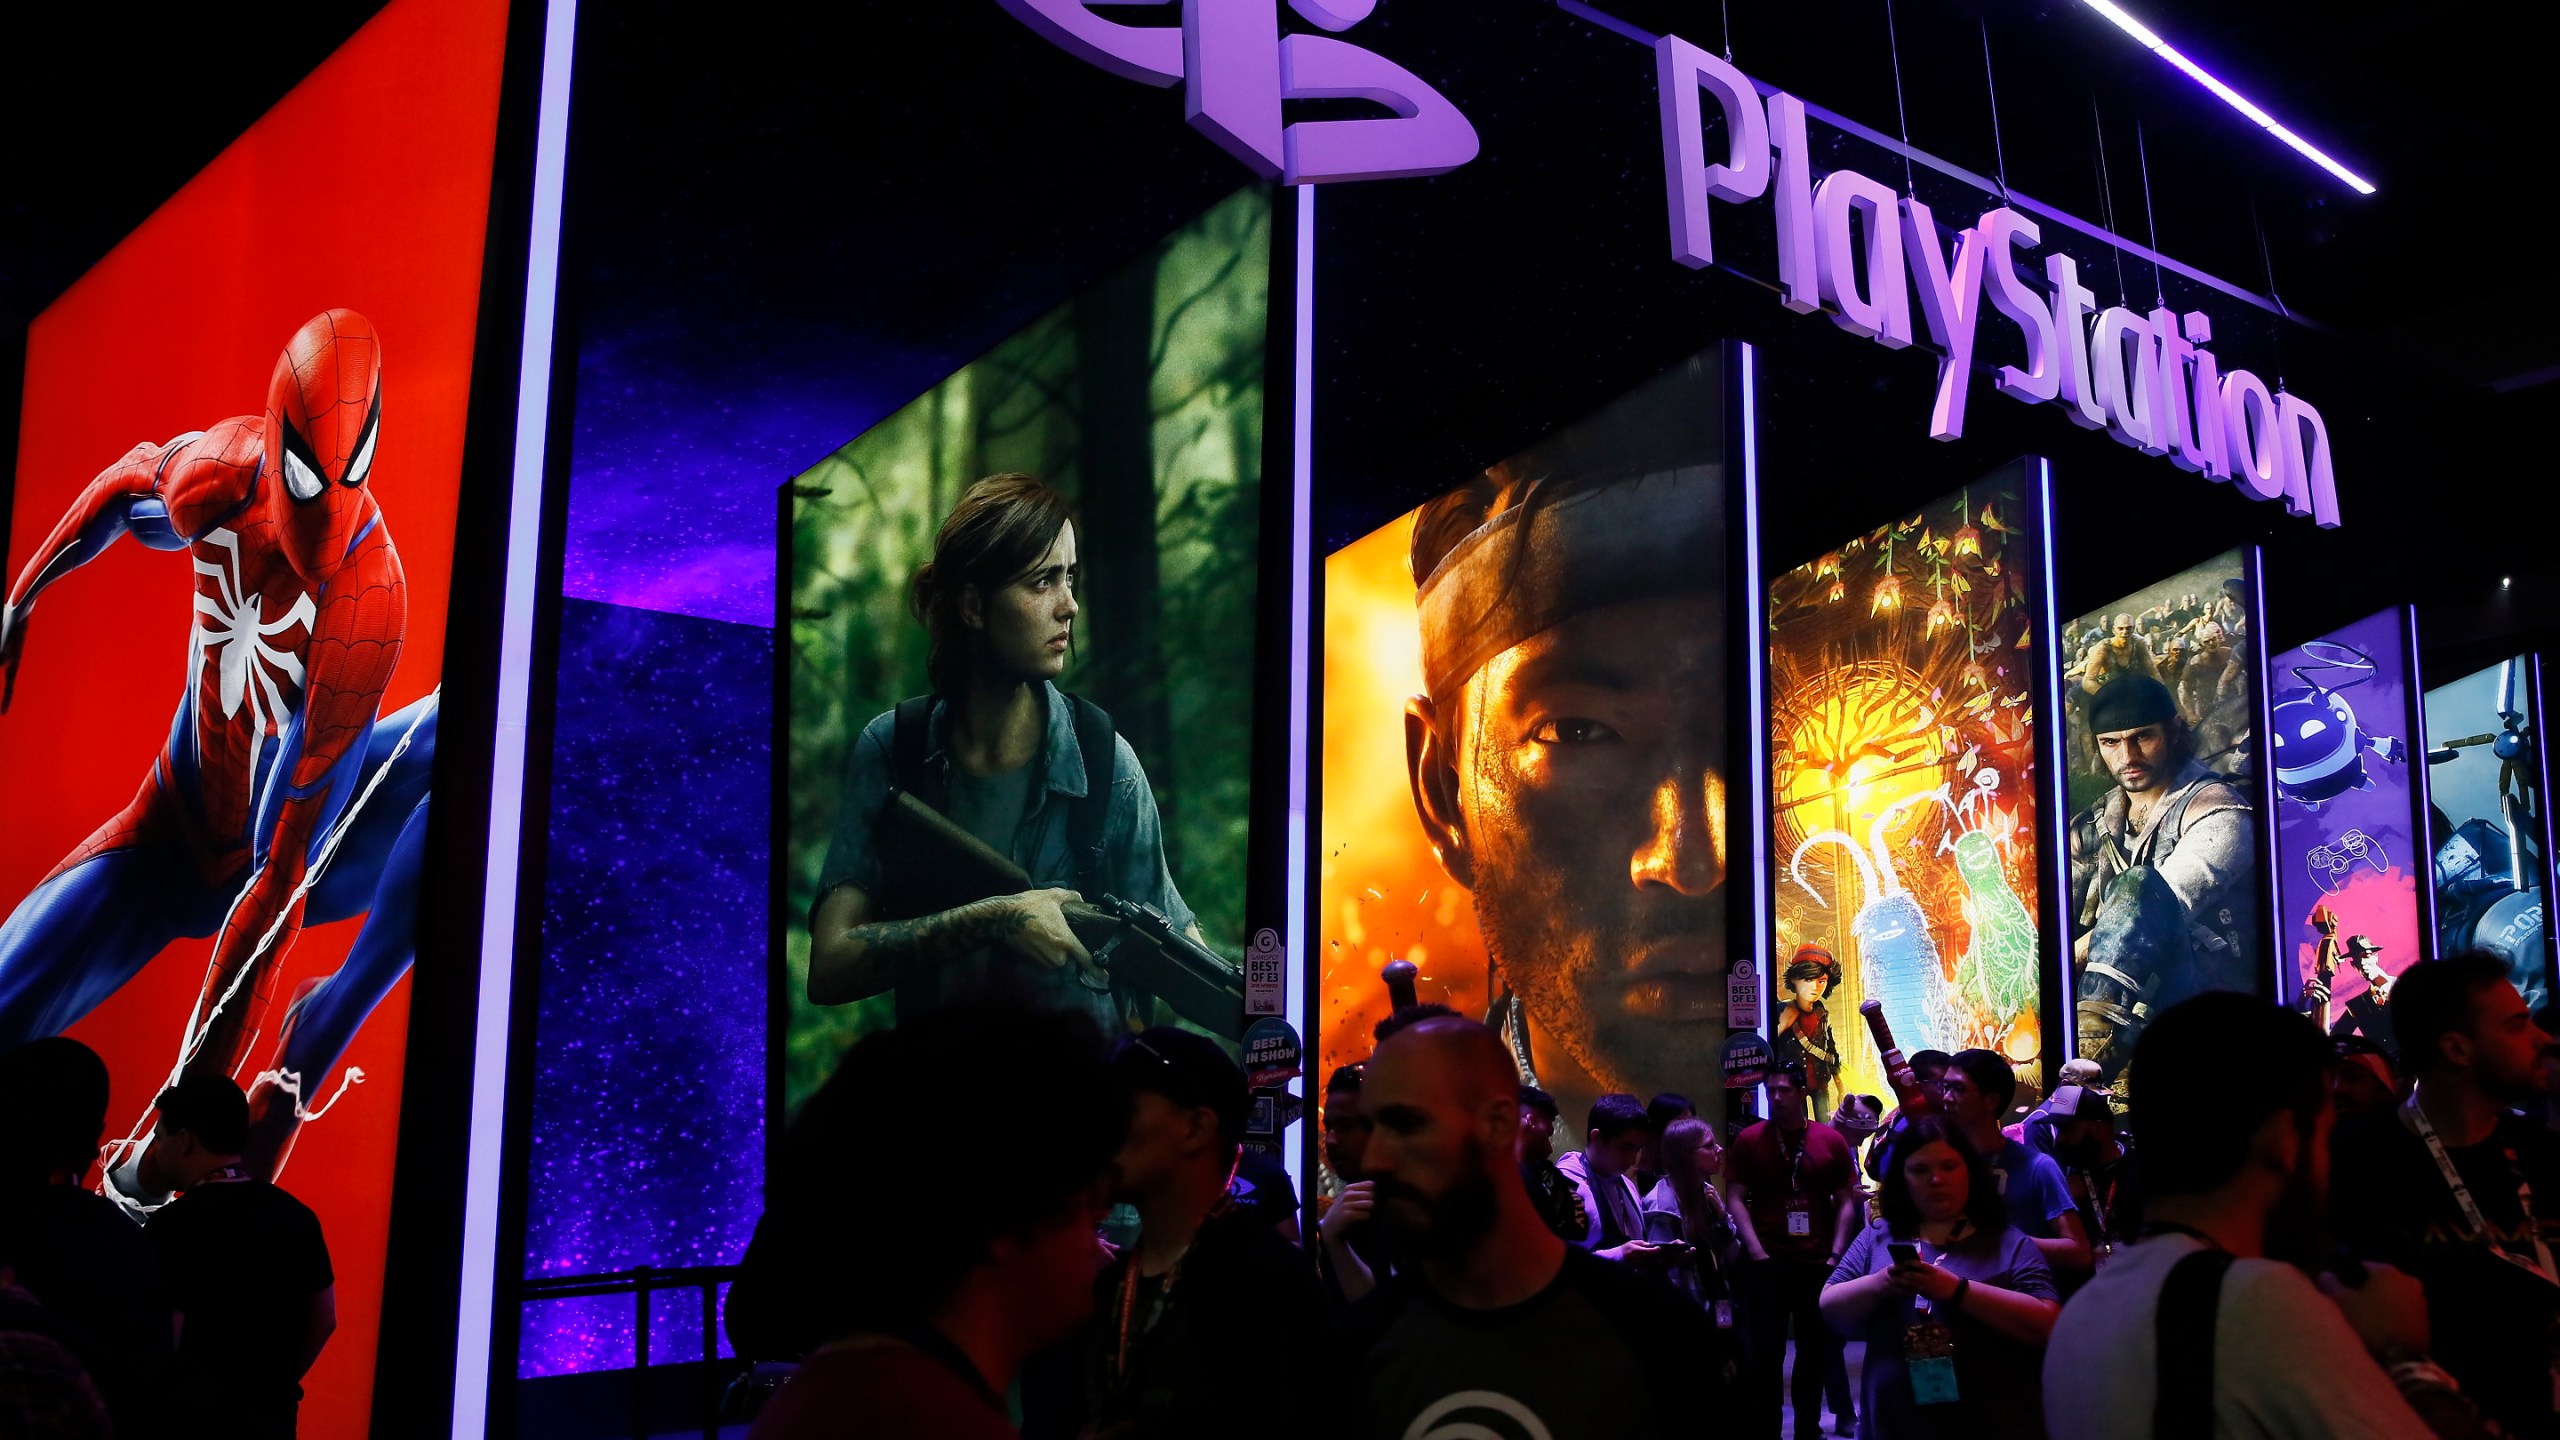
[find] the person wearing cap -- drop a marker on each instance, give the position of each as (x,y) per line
(246,1264)
(1567,755)
(1802,1034)
(2368,1011)
(2098,1164)
(2036,1131)
(1192,1322)
(2162,873)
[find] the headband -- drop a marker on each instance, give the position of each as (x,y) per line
(1541,562)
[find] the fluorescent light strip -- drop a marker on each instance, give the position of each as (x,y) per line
(1755,671)
(2055,795)
(2151,41)
(474,1315)
(2287,963)
(2542,773)
(1302,397)
(2422,817)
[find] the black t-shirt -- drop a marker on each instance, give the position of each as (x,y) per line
(1552,1194)
(243,1260)
(2492,1319)
(1261,1184)
(1222,1351)
(95,1273)
(1602,1353)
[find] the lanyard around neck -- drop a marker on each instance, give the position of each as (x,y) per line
(2413,1116)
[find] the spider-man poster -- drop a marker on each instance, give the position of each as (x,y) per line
(2348,856)
(230,536)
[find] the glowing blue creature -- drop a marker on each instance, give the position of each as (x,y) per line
(1897,956)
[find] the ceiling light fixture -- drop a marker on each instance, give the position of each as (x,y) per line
(2233,98)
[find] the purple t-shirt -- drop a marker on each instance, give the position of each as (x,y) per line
(1999,1382)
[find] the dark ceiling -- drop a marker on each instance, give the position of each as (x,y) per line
(2440,106)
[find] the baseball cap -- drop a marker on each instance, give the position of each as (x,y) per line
(2075,1102)
(1858,1114)
(1189,1069)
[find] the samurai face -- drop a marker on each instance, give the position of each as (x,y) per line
(1586,777)
(2319,752)
(324,416)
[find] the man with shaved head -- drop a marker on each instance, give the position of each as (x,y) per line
(1501,1326)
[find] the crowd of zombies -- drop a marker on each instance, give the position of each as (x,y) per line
(2198,646)
(2255,1230)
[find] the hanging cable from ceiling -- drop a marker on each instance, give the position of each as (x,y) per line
(1999,154)
(1910,184)
(2142,154)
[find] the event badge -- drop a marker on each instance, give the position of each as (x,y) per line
(1800,1223)
(1929,1353)
(1724,1314)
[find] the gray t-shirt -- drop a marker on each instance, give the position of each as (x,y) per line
(1023,814)
(2286,1365)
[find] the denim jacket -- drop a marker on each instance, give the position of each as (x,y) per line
(1133,865)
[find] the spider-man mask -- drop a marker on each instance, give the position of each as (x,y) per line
(324,413)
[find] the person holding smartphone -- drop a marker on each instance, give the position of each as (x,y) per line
(1955,1304)
(1683,1211)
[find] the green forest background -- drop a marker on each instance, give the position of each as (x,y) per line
(1142,399)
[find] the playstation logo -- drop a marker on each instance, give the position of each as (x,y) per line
(1236,69)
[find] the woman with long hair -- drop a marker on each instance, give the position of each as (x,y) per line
(1955,1304)
(1000,751)
(1684,1208)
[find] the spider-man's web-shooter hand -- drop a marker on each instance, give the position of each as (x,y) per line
(13,642)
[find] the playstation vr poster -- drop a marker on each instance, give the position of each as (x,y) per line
(2348,857)
(2161,727)
(1525,754)
(2485,778)
(1904,706)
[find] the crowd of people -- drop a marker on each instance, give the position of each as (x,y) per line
(199,1317)
(2258,1231)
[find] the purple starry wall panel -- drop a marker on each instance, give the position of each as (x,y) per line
(649,1086)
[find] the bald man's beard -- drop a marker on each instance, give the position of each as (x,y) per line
(1448,1225)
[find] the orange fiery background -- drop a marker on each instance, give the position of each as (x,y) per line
(1381,891)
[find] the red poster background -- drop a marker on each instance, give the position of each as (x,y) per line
(366,187)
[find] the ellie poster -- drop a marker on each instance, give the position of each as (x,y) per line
(1525,754)
(2160,706)
(230,538)
(2485,777)
(1904,706)
(1094,484)
(2348,857)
